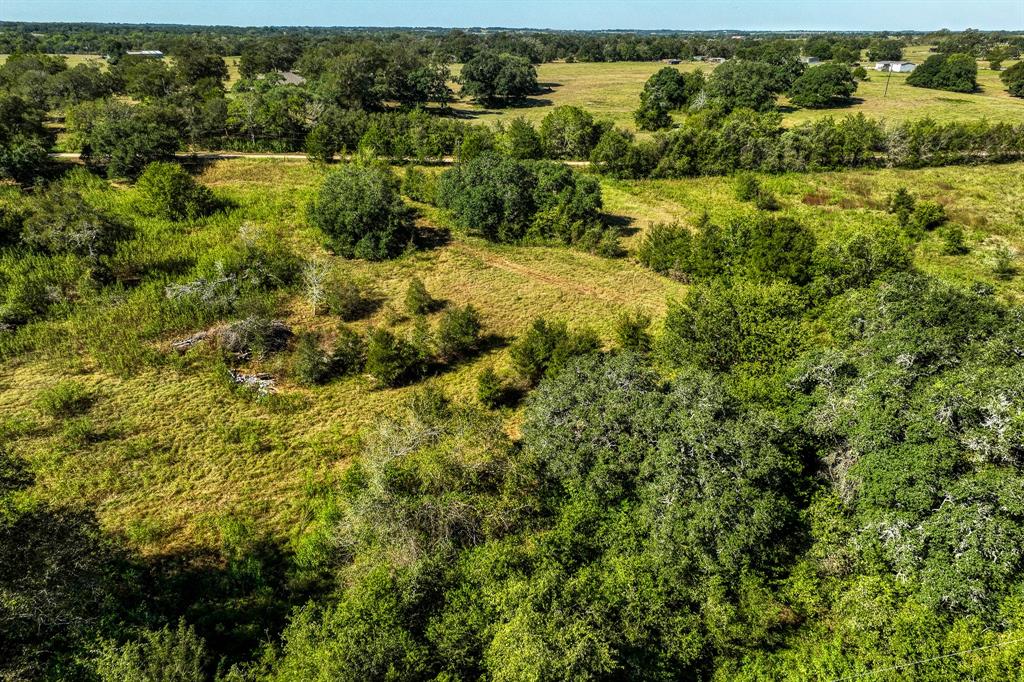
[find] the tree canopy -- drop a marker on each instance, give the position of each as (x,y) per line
(498,78)
(823,86)
(955,72)
(360,211)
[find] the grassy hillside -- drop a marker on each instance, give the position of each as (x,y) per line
(165,452)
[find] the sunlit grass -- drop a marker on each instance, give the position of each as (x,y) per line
(164,451)
(611,91)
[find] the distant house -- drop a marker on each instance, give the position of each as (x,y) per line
(810,60)
(152,54)
(715,60)
(699,57)
(898,67)
(670,60)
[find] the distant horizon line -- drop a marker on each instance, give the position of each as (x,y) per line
(7,22)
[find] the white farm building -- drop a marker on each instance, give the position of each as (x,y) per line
(898,67)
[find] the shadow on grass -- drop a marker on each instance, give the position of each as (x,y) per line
(428,238)
(528,103)
(624,225)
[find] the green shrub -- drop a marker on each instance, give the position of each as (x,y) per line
(823,86)
(954,72)
(631,331)
(601,241)
(123,138)
(520,140)
(569,132)
(477,142)
(166,190)
(954,242)
(11,221)
(360,211)
(546,347)
(927,215)
(901,204)
(32,285)
(458,333)
(24,141)
(747,187)
(62,221)
(515,201)
(418,300)
(666,248)
(346,299)
(490,389)
(1004,262)
(348,354)
(168,654)
(321,145)
(856,262)
(391,360)
(419,185)
(498,78)
(766,201)
(1013,79)
(312,365)
(64,399)
(719,326)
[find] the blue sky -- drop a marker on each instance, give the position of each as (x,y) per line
(563,14)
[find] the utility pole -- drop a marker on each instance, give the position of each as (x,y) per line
(887,78)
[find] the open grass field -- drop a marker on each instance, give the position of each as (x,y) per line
(609,90)
(165,453)
(74,59)
(903,101)
(612,91)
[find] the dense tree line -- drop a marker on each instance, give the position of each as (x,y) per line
(389,99)
(745,140)
(263,47)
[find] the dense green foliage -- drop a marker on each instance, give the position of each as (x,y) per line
(23,141)
(818,440)
(823,86)
(569,133)
(746,84)
(515,201)
(167,190)
(361,213)
(498,78)
(122,139)
(885,50)
(745,140)
(1013,77)
(666,91)
(956,72)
